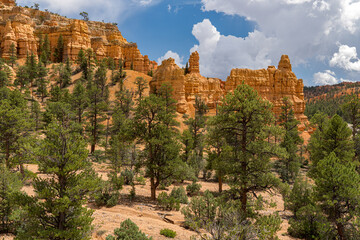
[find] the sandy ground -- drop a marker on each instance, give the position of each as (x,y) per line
(145,213)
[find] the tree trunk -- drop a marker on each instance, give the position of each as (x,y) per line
(153,188)
(220,183)
(7,154)
(341,231)
(22,171)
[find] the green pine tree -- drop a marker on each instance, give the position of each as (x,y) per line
(79,101)
(337,190)
(13,55)
(288,167)
(244,120)
(196,128)
(14,123)
(154,123)
(141,86)
(10,186)
(57,210)
(59,50)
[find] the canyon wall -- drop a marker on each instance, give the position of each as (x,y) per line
(24,27)
(271,83)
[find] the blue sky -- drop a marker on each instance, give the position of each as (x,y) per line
(321,37)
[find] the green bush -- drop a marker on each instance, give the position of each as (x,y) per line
(132,193)
(140,180)
(128,176)
(168,233)
(167,202)
(179,194)
(200,211)
(98,156)
(105,195)
(268,225)
(128,231)
(193,189)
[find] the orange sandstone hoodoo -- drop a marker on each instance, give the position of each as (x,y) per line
(24,27)
(271,83)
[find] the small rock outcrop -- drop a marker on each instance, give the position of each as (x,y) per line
(271,83)
(24,27)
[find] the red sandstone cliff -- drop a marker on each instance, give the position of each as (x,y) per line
(272,84)
(25,26)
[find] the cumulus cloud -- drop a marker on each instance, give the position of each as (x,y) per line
(306,30)
(346,58)
(170,54)
(325,78)
(219,53)
(108,10)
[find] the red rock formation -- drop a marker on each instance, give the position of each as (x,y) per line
(272,84)
(194,63)
(25,26)
(187,87)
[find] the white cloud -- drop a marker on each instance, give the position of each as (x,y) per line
(296,1)
(350,14)
(346,58)
(321,5)
(107,10)
(170,54)
(325,78)
(219,53)
(306,30)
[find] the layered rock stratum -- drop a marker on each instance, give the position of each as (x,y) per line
(271,83)
(24,27)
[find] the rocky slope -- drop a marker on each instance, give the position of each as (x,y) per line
(272,84)
(24,27)
(329,98)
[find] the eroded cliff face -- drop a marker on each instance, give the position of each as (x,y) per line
(187,87)
(24,27)
(272,84)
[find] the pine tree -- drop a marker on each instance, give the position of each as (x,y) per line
(196,127)
(41,82)
(13,55)
(96,114)
(333,137)
(155,122)
(351,111)
(187,71)
(35,113)
(79,101)
(244,120)
(22,77)
(141,85)
(337,190)
(31,68)
(59,50)
(218,153)
(4,80)
(14,123)
(10,186)
(45,51)
(288,167)
(57,211)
